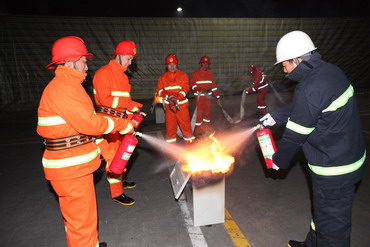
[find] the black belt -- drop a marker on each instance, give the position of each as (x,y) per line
(56,144)
(110,111)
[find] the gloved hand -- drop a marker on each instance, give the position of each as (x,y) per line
(267,120)
(275,167)
(180,96)
(127,126)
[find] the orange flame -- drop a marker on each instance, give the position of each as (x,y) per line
(208,155)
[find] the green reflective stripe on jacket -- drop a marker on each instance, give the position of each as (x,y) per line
(72,161)
(203,82)
(120,94)
(115,102)
(114,180)
(313,226)
(110,125)
(341,101)
(298,128)
(50,121)
(173,88)
(337,170)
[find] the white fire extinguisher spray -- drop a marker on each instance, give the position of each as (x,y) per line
(267,144)
(123,154)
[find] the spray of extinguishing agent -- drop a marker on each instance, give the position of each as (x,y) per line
(267,144)
(126,147)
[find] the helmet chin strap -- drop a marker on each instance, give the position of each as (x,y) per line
(119,59)
(75,66)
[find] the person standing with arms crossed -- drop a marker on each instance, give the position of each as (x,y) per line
(112,93)
(73,144)
(203,84)
(322,119)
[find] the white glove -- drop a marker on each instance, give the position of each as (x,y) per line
(275,167)
(267,120)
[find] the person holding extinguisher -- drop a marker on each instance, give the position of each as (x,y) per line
(173,86)
(323,120)
(71,129)
(203,84)
(260,86)
(112,93)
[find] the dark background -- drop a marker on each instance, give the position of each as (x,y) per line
(191,8)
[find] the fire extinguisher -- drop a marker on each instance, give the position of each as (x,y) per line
(267,145)
(123,154)
(137,118)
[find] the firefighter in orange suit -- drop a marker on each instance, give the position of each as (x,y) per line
(71,129)
(112,96)
(173,86)
(260,85)
(204,86)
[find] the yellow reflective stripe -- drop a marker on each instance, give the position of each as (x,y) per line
(72,161)
(50,121)
(189,139)
(127,130)
(313,226)
(341,101)
(94,91)
(120,94)
(183,101)
(298,128)
(171,140)
(203,82)
(173,88)
(99,140)
(338,170)
(183,93)
(214,89)
(110,125)
(114,180)
(115,102)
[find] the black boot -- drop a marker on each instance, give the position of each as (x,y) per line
(293,243)
(128,185)
(103,244)
(124,200)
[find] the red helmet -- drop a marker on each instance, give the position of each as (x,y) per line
(252,69)
(171,59)
(205,59)
(126,47)
(67,49)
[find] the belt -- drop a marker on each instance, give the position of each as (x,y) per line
(57,144)
(110,111)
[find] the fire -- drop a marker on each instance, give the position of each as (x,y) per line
(208,155)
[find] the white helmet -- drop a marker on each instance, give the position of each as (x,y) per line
(293,44)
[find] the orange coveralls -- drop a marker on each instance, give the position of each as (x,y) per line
(65,109)
(260,85)
(175,84)
(112,89)
(203,84)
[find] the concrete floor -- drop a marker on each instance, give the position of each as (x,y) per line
(269,207)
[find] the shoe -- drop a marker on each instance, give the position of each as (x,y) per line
(128,185)
(293,243)
(124,200)
(103,244)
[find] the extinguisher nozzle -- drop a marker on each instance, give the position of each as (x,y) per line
(137,133)
(258,127)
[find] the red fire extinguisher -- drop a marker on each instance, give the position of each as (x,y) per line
(267,145)
(123,154)
(137,118)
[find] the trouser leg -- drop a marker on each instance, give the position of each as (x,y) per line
(77,202)
(332,215)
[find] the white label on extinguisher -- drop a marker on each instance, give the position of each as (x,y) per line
(266,146)
(126,156)
(130,148)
